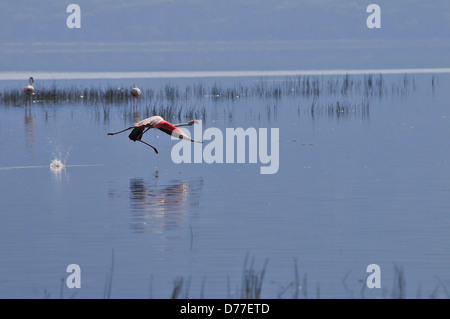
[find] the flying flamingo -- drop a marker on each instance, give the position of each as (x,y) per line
(156,122)
(29,89)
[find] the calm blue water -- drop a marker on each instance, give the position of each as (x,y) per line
(368,186)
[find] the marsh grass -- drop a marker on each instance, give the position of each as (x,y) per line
(338,96)
(178,284)
(108,282)
(399,284)
(175,111)
(252,285)
(252,280)
(370,85)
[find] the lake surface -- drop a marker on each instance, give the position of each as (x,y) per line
(363,179)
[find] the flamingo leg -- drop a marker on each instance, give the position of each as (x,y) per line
(149,145)
(121,131)
(144,132)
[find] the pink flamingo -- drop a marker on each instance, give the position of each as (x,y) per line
(158,122)
(29,90)
(136,93)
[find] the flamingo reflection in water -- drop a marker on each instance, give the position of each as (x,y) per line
(160,208)
(29,120)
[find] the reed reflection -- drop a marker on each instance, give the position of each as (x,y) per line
(159,208)
(136,116)
(29,126)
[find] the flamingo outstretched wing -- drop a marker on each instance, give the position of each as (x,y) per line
(172,130)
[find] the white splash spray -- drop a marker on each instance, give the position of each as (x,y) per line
(56,165)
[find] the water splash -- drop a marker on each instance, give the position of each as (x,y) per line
(60,158)
(56,165)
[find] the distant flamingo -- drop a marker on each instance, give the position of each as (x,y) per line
(29,90)
(136,93)
(156,122)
